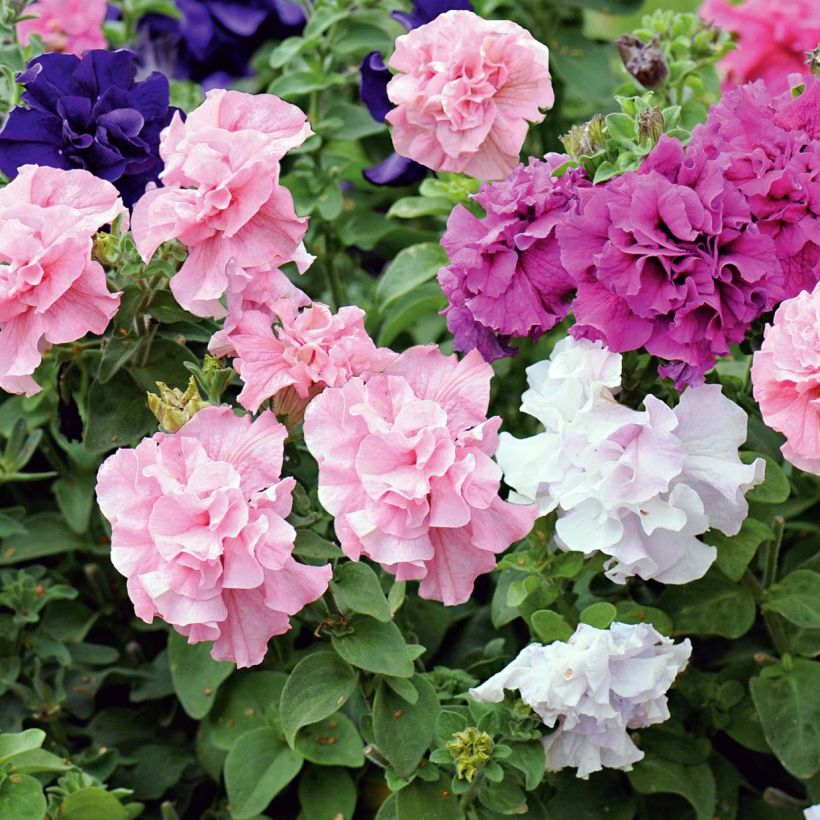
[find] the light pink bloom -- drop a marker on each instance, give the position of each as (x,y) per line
(405,466)
(306,350)
(199,530)
(786,378)
(465,92)
(222,196)
(773,38)
(73,26)
(51,291)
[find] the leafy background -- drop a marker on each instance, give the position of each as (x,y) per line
(351,714)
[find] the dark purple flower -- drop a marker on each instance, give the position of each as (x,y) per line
(424,11)
(214,40)
(373,85)
(88,112)
(396,170)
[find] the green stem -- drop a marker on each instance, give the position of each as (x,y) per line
(774,623)
(772,553)
(471,793)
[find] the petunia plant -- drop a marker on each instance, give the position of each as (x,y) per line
(409,410)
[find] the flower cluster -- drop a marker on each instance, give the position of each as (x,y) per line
(222,197)
(593,688)
(51,291)
(89,113)
(773,38)
(668,258)
(505,276)
(786,378)
(405,466)
(199,531)
(464,91)
(771,147)
(637,485)
(72,26)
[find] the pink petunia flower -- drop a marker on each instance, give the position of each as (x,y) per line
(786,378)
(72,26)
(773,38)
(222,196)
(51,291)
(305,350)
(465,92)
(199,530)
(405,466)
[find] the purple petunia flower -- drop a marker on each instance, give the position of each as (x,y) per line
(396,170)
(88,112)
(214,40)
(668,258)
(505,278)
(772,143)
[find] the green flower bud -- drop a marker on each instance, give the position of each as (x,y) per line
(470,750)
(587,139)
(173,408)
(650,125)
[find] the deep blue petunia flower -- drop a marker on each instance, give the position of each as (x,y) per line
(214,40)
(88,112)
(396,170)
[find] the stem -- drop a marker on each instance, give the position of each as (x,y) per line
(772,553)
(773,621)
(470,795)
(336,289)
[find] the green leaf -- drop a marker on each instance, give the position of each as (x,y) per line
(22,798)
(46,534)
(696,784)
(630,612)
(375,647)
(354,121)
(775,487)
(411,207)
(404,731)
(195,674)
(333,741)
(327,793)
(609,798)
(310,545)
(428,800)
(789,711)
(505,797)
(318,685)
(117,414)
(713,605)
(257,768)
(356,588)
(599,615)
(92,803)
(412,267)
(528,758)
(75,498)
(116,353)
(735,552)
(403,688)
(15,744)
(549,626)
(242,704)
(404,313)
(796,598)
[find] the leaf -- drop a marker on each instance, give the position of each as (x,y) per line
(22,798)
(404,731)
(92,803)
(735,552)
(412,267)
(257,768)
(310,545)
(195,674)
(789,711)
(775,487)
(333,741)
(15,744)
(712,605)
(549,626)
(375,647)
(404,313)
(630,612)
(327,793)
(75,498)
(575,800)
(410,207)
(528,758)
(427,800)
(356,588)
(117,414)
(600,615)
(46,534)
(243,704)
(796,598)
(318,685)
(696,784)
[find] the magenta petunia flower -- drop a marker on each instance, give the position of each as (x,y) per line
(505,277)
(772,143)
(199,530)
(668,258)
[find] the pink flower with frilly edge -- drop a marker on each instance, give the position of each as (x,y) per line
(51,291)
(786,378)
(773,38)
(222,196)
(465,91)
(405,466)
(199,530)
(72,26)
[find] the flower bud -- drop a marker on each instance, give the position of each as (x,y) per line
(645,62)
(813,61)
(587,139)
(650,125)
(173,408)
(470,749)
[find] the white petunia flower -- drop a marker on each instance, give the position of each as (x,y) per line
(592,689)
